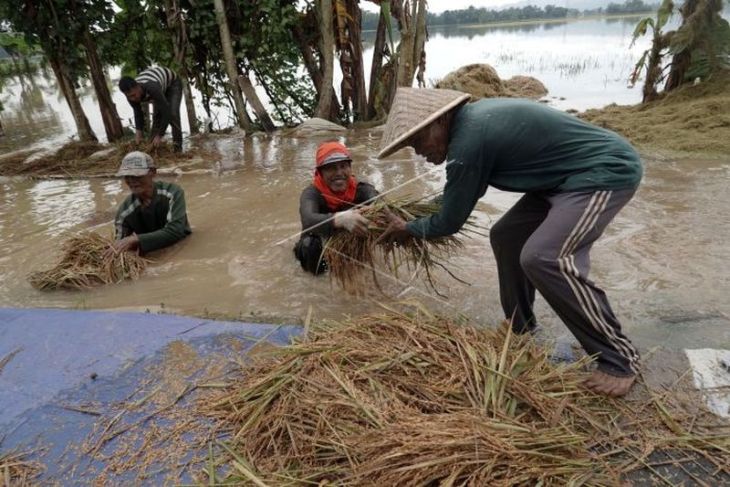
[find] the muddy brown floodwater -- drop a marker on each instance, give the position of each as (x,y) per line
(663,261)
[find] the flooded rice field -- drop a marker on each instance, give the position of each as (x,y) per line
(663,261)
(583,64)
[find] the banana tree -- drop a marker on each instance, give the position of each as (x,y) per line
(650,61)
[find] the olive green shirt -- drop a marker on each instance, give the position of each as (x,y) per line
(161,224)
(524,146)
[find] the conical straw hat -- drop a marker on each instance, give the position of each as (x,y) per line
(413,109)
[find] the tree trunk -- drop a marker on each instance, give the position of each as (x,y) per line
(314,70)
(109,115)
(258,107)
(230,61)
(324,106)
(654,66)
(413,38)
(682,60)
(419,53)
(83,128)
(377,65)
(406,46)
(359,95)
(179,46)
(189,102)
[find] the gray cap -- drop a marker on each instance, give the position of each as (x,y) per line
(136,163)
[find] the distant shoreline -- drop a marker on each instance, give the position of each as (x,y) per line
(548,21)
(540,21)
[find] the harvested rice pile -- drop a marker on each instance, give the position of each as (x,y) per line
(85,264)
(482,81)
(84,159)
(397,400)
(692,119)
(351,258)
(17,471)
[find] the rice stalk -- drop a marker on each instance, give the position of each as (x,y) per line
(86,263)
(17,470)
(402,402)
(351,258)
(417,399)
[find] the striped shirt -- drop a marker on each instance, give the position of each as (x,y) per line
(157,74)
(156,81)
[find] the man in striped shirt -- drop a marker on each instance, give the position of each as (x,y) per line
(161,87)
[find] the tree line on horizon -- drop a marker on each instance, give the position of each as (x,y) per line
(483,15)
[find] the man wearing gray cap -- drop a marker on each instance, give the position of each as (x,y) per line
(153,216)
(575,178)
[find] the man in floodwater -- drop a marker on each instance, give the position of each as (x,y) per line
(328,204)
(153,216)
(575,176)
(161,87)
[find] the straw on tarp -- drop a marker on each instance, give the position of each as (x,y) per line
(404,399)
(414,109)
(17,470)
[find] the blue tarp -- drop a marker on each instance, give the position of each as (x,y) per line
(60,357)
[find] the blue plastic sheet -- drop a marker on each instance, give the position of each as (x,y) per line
(62,357)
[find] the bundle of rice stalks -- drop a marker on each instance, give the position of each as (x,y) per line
(350,258)
(397,400)
(87,263)
(17,471)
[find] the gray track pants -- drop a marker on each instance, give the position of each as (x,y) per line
(543,243)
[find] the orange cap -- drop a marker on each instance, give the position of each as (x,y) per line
(330,152)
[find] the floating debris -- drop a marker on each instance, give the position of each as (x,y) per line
(91,159)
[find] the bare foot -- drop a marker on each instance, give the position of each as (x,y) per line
(609,385)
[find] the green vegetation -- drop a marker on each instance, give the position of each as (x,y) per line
(224,48)
(698,48)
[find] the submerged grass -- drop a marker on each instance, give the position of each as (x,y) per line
(85,159)
(85,263)
(692,119)
(422,400)
(351,259)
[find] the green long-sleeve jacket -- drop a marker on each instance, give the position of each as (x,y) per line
(524,146)
(159,225)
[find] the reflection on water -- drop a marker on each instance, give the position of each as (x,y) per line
(664,256)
